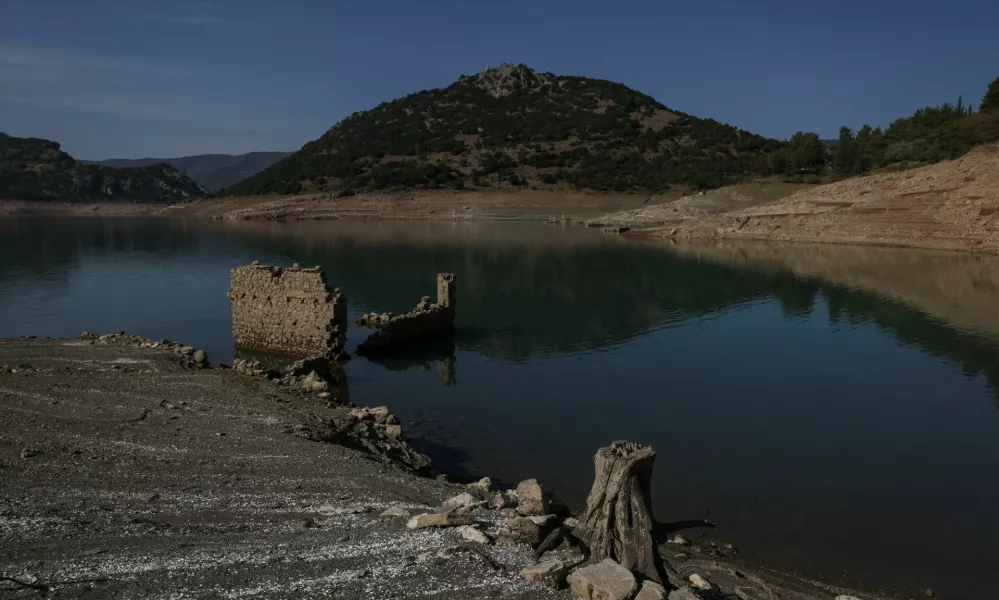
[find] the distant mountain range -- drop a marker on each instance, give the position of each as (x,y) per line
(38,170)
(212,171)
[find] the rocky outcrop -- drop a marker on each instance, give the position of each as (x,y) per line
(425,321)
(287,311)
(605,580)
(190,356)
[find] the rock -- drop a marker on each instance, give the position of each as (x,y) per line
(394,431)
(699,582)
(396,511)
(314,383)
(605,580)
(324,395)
(679,540)
(201,358)
(522,530)
(484,485)
(682,595)
(750,593)
(380,414)
(847,598)
(329,509)
(439,520)
(463,500)
(473,534)
(531,499)
(550,573)
(30,453)
(651,591)
(501,500)
(572,522)
(150,497)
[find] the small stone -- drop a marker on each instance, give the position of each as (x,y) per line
(150,497)
(550,573)
(678,540)
(572,522)
(683,595)
(309,523)
(531,498)
(847,598)
(201,358)
(396,511)
(484,485)
(324,395)
(522,530)
(651,591)
(605,580)
(30,453)
(501,500)
(329,509)
(699,582)
(439,520)
(394,431)
(463,500)
(473,534)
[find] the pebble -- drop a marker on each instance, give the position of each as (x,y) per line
(699,582)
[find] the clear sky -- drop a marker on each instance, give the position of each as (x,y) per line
(131,78)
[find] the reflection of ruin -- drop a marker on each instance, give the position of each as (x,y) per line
(422,356)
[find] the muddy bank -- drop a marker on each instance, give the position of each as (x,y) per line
(133,471)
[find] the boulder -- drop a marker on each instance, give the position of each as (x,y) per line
(394,431)
(531,498)
(201,358)
(439,520)
(501,500)
(522,530)
(651,591)
(699,582)
(484,485)
(472,533)
(682,595)
(396,511)
(463,500)
(605,580)
(550,573)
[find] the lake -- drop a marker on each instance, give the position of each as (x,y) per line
(834,409)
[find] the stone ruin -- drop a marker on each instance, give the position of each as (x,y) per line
(287,311)
(426,320)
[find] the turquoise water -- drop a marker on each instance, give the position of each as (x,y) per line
(826,428)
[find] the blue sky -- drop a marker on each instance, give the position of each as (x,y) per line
(117,78)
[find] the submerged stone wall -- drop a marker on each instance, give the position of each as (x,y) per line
(426,320)
(287,311)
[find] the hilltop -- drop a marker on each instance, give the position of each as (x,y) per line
(512,127)
(213,171)
(34,169)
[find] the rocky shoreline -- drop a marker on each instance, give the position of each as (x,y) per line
(134,468)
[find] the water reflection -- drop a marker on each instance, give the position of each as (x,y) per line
(423,355)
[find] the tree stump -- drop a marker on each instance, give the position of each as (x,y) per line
(618,521)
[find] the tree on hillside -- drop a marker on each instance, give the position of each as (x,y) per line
(990,103)
(806,153)
(845,159)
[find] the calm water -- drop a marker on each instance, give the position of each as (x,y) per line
(825,427)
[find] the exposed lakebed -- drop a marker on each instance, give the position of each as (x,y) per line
(843,425)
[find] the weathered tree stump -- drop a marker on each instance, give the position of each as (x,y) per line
(618,521)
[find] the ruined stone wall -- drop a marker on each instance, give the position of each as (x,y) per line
(447,296)
(287,311)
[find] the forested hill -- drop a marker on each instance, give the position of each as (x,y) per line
(511,127)
(38,170)
(212,171)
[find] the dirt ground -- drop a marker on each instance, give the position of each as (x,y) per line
(952,205)
(124,473)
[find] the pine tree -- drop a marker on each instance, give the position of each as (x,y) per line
(960,106)
(990,103)
(846,152)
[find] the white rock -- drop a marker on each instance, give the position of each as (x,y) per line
(550,573)
(651,591)
(531,498)
(473,534)
(439,520)
(605,580)
(396,511)
(679,540)
(483,485)
(699,582)
(462,500)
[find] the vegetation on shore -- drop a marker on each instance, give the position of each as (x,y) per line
(512,127)
(930,135)
(38,170)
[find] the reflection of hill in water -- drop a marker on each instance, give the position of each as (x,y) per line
(525,291)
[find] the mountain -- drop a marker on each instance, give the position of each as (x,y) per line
(510,127)
(212,171)
(3,135)
(37,169)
